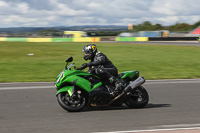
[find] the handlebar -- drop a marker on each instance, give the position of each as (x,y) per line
(80,68)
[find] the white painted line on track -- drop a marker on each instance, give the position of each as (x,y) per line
(148,82)
(179,126)
(27,83)
(26,87)
(153,130)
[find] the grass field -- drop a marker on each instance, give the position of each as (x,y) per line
(153,61)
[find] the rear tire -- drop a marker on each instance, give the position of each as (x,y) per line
(69,104)
(138,98)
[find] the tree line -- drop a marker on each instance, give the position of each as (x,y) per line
(145,26)
(148,26)
(182,27)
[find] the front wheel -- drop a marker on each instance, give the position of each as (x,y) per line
(71,104)
(138,98)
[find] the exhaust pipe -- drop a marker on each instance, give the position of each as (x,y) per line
(138,82)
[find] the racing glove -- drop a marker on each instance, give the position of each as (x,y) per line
(84,65)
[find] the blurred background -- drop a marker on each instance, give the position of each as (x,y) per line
(145,29)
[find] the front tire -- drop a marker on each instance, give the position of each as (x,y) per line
(138,98)
(70,104)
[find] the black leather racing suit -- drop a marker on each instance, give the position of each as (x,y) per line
(100,65)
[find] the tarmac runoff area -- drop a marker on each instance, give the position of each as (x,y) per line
(32,107)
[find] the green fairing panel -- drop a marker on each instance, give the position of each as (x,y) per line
(74,78)
(130,74)
(65,89)
(66,74)
(96,85)
(78,81)
(69,89)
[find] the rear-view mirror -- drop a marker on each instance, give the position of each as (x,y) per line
(70,59)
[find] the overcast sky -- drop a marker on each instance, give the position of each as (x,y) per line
(40,13)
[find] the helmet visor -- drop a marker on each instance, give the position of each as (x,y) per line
(86,55)
(86,52)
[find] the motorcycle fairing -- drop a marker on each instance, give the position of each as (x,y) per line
(65,89)
(130,74)
(78,78)
(100,95)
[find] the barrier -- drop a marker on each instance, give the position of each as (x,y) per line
(142,39)
(86,39)
(98,39)
(39,39)
(17,39)
(173,39)
(62,39)
(2,38)
(131,39)
(82,39)
(125,39)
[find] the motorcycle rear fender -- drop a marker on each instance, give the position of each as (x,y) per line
(65,89)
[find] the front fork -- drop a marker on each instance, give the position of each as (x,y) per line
(75,93)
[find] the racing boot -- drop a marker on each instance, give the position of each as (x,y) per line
(112,80)
(118,88)
(118,84)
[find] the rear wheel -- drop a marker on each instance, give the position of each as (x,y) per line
(70,104)
(138,98)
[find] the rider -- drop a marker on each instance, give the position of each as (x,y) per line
(100,65)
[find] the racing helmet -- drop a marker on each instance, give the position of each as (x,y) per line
(89,51)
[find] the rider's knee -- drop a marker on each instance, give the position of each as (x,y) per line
(100,71)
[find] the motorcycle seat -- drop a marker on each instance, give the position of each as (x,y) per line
(120,76)
(129,74)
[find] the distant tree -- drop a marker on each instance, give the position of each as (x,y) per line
(197,24)
(146,23)
(49,32)
(180,27)
(158,26)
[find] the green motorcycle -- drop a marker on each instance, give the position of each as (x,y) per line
(77,90)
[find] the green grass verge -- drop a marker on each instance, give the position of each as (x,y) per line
(153,61)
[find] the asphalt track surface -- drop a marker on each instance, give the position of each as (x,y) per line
(32,108)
